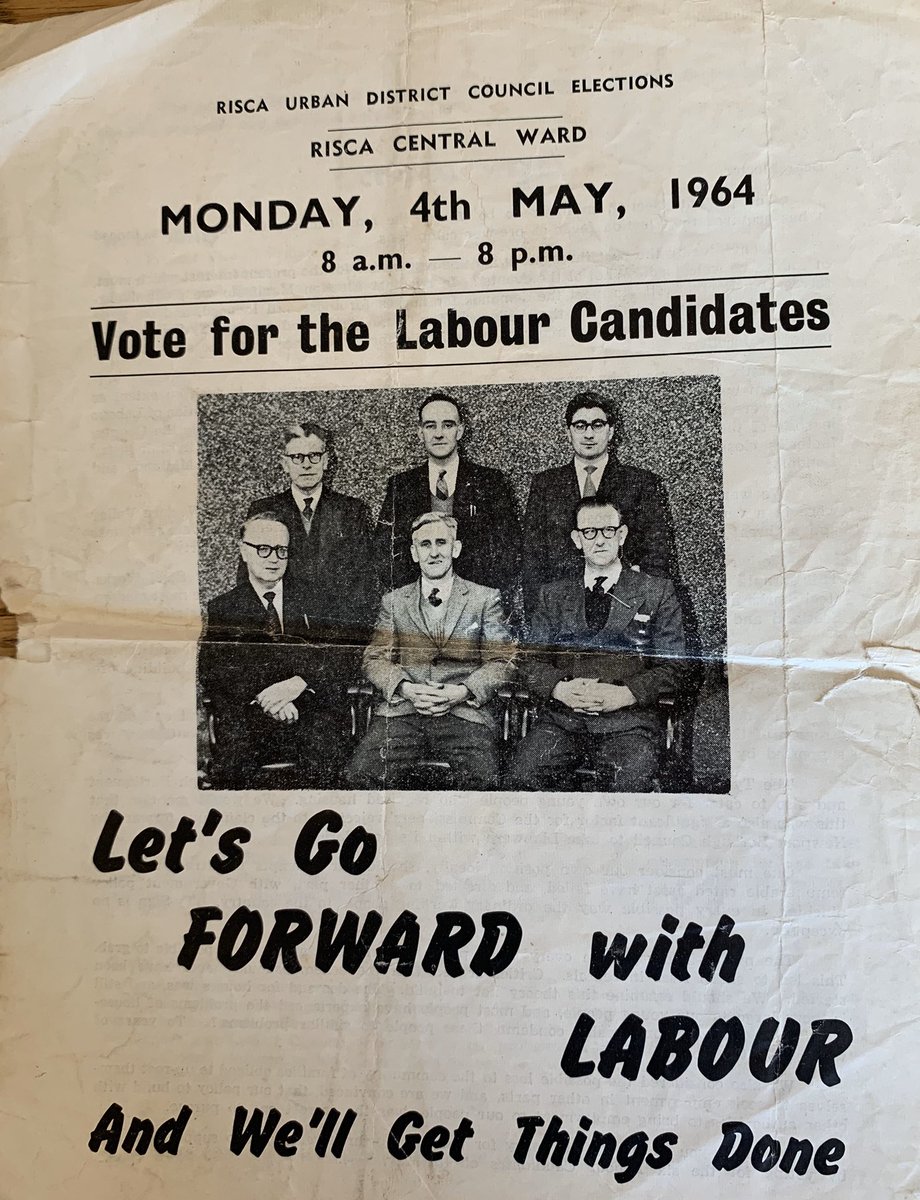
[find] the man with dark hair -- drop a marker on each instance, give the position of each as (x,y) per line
(606,644)
(594,431)
(330,533)
(478,498)
(440,651)
(607,407)
(271,676)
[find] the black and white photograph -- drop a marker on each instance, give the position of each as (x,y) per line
(475,588)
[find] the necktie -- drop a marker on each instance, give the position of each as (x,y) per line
(272,620)
(433,598)
(597,605)
(590,489)
(306,515)
(440,488)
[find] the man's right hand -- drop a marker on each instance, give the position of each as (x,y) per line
(422,696)
(577,694)
(287,714)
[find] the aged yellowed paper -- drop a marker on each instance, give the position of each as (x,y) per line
(460,506)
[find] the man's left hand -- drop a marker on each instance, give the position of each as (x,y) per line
(610,697)
(451,694)
(277,695)
(287,714)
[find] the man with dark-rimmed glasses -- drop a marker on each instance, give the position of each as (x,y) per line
(269,673)
(606,645)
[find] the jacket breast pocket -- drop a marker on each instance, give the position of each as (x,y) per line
(638,631)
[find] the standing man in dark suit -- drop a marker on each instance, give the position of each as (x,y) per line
(269,674)
(478,498)
(594,431)
(330,533)
(440,651)
(606,644)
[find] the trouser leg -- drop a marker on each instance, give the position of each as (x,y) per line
(312,746)
(246,740)
(468,746)
(545,759)
(320,746)
(628,761)
(390,745)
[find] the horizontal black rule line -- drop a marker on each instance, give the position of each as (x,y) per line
(484,362)
(455,121)
(546,287)
(447,162)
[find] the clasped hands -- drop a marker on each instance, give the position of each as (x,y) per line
(434,699)
(590,696)
(277,700)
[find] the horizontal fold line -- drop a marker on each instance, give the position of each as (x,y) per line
(495,291)
(484,362)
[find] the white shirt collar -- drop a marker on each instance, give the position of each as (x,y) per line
(435,468)
(300,498)
(445,586)
(610,575)
(599,464)
(260,589)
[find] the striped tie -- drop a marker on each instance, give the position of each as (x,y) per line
(272,619)
(306,515)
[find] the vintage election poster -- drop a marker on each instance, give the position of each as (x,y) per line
(460,512)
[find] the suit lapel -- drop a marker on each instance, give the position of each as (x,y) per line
(294,522)
(421,499)
(327,516)
(248,613)
(465,491)
(573,608)
(289,507)
(411,605)
(608,486)
(625,600)
(252,611)
(455,607)
(571,487)
(321,515)
(296,621)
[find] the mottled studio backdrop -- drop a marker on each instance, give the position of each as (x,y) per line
(672,427)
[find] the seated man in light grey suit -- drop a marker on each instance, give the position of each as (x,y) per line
(440,650)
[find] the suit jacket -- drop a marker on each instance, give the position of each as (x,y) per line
(237,657)
(333,566)
(473,647)
(642,644)
(487,520)
(548,549)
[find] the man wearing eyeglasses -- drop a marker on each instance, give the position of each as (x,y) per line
(594,431)
(478,498)
(606,645)
(268,674)
(330,533)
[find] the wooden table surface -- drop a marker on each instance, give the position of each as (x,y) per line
(13,12)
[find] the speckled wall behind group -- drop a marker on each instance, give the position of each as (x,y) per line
(672,427)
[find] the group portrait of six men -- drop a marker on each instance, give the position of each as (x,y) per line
(440,605)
